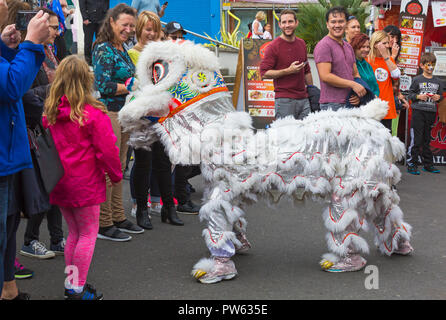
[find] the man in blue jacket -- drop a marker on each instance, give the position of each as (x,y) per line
(19,65)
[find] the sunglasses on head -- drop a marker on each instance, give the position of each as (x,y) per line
(351,18)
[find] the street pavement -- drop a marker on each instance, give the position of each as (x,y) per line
(282,264)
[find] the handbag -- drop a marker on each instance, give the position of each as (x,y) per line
(47,156)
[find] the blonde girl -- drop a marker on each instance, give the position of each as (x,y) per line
(84,138)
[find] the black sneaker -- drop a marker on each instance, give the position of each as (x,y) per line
(89,293)
(112,233)
(412,169)
(59,248)
(128,226)
(21,272)
(188,208)
(431,169)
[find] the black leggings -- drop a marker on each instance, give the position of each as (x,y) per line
(12,224)
(144,160)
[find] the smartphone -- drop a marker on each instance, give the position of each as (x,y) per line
(305,63)
(23,19)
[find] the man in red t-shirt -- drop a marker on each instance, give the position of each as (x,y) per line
(286,62)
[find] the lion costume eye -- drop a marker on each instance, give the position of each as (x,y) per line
(160,69)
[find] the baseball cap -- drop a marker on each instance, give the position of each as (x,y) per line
(174,26)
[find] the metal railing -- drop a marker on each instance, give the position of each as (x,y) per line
(216,42)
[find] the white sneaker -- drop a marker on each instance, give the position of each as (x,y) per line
(353,262)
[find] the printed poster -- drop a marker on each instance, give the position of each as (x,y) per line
(259,94)
(412,22)
(439,13)
(440,66)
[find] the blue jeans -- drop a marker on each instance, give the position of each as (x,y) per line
(4,199)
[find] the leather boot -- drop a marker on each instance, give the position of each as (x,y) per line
(169,214)
(142,218)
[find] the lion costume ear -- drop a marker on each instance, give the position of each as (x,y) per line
(142,106)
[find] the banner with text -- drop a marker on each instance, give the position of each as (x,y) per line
(259,94)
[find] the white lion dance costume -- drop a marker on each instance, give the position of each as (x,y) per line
(344,158)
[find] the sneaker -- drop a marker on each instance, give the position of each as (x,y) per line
(155,209)
(223,269)
(89,293)
(345,264)
(412,169)
(59,248)
(188,208)
(112,233)
(404,248)
(431,169)
(21,272)
(128,226)
(38,250)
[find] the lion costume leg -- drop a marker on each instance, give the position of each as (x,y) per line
(392,233)
(225,235)
(343,222)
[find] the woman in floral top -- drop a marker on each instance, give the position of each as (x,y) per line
(113,70)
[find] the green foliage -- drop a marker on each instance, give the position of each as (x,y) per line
(312,25)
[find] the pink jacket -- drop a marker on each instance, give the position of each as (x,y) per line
(87,152)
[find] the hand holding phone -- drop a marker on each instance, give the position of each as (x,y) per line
(38,28)
(23,19)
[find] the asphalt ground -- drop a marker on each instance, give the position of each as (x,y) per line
(282,264)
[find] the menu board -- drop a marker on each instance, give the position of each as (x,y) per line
(259,94)
(412,22)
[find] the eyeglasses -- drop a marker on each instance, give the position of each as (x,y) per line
(176,37)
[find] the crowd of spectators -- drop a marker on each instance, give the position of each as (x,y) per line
(44,86)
